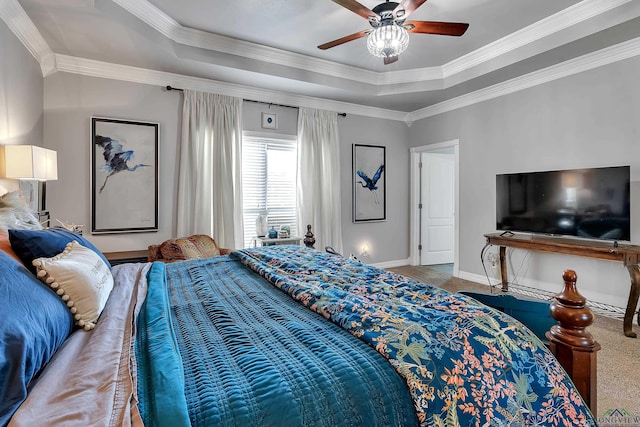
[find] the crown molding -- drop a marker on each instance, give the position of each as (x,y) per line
(89,67)
(170,28)
(609,55)
(15,17)
(21,25)
(153,17)
(258,52)
(562,20)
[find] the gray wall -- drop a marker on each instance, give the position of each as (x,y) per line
(252,119)
(387,241)
(590,119)
(69,103)
(21,85)
(71,100)
(587,120)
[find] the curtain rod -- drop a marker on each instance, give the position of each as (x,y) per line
(251,100)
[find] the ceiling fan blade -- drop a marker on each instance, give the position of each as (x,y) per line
(356,7)
(344,39)
(409,7)
(433,27)
(390,60)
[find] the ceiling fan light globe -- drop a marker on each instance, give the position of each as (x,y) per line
(387,41)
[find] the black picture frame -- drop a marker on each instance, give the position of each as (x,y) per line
(369,183)
(124,176)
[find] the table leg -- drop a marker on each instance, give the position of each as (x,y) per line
(503,269)
(634,294)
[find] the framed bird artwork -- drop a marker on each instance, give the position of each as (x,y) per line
(369,183)
(124,176)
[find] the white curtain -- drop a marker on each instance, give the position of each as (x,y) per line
(319,177)
(209,181)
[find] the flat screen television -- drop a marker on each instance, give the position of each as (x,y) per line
(590,203)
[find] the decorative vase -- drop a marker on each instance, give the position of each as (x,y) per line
(309,240)
(261,225)
(285,231)
(273,233)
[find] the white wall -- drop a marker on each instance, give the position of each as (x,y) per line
(21,85)
(586,120)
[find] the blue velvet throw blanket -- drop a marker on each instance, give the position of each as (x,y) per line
(217,345)
(464,363)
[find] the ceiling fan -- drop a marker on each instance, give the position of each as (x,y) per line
(389,36)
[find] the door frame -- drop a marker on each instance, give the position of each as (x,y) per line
(414,197)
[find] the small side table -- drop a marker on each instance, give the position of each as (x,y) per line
(265,241)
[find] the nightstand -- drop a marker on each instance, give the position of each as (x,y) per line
(265,241)
(124,257)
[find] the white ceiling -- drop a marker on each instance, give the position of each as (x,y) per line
(271,45)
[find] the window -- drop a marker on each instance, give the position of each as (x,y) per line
(268,184)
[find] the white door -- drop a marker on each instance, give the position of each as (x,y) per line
(437,213)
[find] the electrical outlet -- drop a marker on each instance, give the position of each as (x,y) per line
(364,251)
(494,264)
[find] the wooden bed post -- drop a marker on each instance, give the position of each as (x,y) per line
(574,347)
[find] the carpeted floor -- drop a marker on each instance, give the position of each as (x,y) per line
(618,361)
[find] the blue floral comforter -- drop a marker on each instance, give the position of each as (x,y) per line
(464,363)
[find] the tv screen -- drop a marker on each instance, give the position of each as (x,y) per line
(591,203)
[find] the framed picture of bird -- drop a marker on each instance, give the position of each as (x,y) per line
(124,176)
(369,183)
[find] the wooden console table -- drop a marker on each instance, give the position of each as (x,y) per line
(629,255)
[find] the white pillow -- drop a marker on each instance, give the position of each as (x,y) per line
(16,214)
(81,278)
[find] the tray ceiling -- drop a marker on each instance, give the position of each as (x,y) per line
(266,46)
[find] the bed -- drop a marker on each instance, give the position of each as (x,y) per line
(279,335)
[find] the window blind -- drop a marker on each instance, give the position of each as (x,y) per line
(268,184)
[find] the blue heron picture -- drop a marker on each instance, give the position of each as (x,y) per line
(116,159)
(124,176)
(370,183)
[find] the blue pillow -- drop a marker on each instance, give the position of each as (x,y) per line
(34,324)
(32,244)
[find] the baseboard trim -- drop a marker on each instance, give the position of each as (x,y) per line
(478,278)
(391,264)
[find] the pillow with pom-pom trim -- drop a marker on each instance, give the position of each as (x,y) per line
(32,244)
(81,279)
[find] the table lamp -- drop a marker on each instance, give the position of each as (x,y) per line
(29,162)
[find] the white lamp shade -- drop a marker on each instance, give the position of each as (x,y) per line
(51,173)
(30,162)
